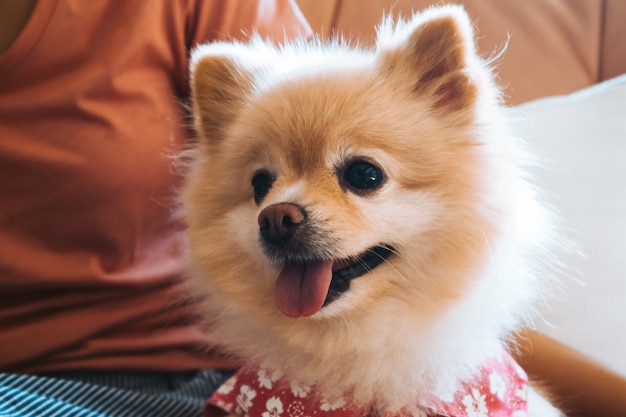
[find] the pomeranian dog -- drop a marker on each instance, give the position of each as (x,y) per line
(363,224)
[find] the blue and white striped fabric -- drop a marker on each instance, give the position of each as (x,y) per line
(108,394)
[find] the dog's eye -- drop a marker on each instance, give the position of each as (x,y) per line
(362,176)
(262,183)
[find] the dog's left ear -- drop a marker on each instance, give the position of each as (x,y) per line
(434,53)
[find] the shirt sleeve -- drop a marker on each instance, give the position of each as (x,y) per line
(214,20)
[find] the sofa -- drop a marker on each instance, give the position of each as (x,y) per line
(554,47)
(563,73)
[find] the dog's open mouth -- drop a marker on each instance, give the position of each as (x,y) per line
(303,288)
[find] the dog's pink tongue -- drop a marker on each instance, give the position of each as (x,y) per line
(301,288)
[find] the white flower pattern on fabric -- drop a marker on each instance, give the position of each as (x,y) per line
(274,407)
(475,405)
(267,377)
(498,388)
(244,399)
(331,404)
(296,409)
(497,385)
(228,386)
(299,390)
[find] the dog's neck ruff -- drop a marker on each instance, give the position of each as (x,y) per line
(499,389)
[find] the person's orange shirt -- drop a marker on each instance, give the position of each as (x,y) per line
(91,117)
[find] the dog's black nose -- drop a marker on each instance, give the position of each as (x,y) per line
(279,222)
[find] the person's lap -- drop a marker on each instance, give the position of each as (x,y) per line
(110,394)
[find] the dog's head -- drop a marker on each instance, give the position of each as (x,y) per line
(329,180)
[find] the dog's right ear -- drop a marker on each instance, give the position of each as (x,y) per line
(220,84)
(434,54)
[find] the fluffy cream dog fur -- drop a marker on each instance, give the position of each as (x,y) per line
(312,156)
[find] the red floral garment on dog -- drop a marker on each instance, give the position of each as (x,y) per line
(500,389)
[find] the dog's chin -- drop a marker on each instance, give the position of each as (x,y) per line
(346,270)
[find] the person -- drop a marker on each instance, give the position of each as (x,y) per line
(95,317)
(577,383)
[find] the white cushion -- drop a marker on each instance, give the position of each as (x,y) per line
(582,139)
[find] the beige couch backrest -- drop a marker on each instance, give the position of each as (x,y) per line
(555,46)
